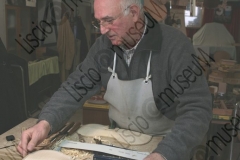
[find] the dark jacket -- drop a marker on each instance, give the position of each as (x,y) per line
(179,86)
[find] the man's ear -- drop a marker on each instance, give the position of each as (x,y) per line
(135,12)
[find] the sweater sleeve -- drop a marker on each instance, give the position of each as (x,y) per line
(194,102)
(83,83)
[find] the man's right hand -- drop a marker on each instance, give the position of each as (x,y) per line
(32,137)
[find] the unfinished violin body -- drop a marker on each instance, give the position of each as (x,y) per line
(121,135)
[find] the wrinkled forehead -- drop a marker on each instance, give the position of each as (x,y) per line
(104,8)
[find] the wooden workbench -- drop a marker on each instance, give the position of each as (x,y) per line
(11,153)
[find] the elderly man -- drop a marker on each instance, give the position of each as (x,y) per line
(152,77)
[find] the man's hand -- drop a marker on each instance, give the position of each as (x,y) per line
(154,156)
(32,137)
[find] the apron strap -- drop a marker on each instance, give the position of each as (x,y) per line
(148,68)
(114,66)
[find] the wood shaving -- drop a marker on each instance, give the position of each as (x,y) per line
(45,141)
(77,154)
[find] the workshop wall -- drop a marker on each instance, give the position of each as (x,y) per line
(2,22)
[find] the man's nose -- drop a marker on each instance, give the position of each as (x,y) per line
(103,29)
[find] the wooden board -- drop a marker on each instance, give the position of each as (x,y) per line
(222,112)
(101,106)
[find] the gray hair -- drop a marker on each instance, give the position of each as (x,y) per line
(126,3)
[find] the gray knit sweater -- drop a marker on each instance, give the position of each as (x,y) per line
(179,87)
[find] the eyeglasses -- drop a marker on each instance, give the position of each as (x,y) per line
(106,23)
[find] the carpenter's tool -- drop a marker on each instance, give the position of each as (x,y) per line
(73,129)
(62,132)
(48,142)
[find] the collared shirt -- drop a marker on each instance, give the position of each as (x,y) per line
(128,53)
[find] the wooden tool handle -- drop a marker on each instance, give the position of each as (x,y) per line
(65,129)
(75,127)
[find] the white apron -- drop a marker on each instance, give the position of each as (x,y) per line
(132,104)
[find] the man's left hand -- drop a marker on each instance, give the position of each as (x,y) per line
(154,156)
